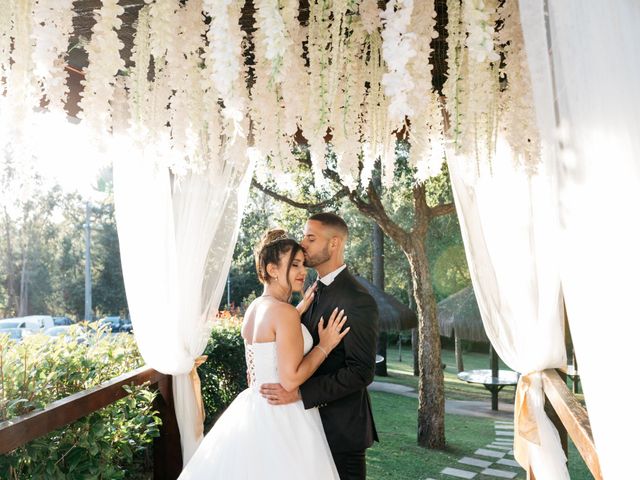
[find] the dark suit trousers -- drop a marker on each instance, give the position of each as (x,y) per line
(351,465)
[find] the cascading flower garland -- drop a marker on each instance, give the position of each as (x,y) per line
(473,88)
(295,84)
(224,55)
(105,62)
(398,48)
(517,116)
(426,134)
(351,80)
(318,119)
(52,26)
(21,96)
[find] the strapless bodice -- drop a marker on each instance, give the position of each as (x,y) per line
(262,359)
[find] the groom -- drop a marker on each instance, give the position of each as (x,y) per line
(339,387)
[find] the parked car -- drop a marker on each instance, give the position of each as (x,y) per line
(14,333)
(10,323)
(69,332)
(57,321)
(43,321)
(26,323)
(113,323)
(126,326)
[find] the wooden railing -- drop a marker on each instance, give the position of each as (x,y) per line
(570,417)
(167,456)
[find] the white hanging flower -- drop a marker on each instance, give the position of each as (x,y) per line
(6,34)
(295,84)
(397,50)
(139,84)
(517,116)
(478,16)
(52,25)
(224,54)
(426,135)
(21,97)
(375,126)
(275,41)
(104,63)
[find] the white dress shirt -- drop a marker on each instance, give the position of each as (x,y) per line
(330,277)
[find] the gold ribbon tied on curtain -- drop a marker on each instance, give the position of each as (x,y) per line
(197,392)
(526,425)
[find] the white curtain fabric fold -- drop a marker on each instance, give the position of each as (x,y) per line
(586,69)
(176,242)
(509,230)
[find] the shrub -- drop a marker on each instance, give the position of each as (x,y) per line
(108,444)
(224,374)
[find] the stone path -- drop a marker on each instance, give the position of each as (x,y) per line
(493,461)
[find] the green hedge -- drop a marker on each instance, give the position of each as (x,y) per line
(224,374)
(112,443)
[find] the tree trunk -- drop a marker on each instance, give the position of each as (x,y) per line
(12,299)
(414,335)
(458,350)
(414,349)
(24,285)
(431,380)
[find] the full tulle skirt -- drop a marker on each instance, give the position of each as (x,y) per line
(255,440)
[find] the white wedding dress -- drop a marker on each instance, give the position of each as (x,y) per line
(254,440)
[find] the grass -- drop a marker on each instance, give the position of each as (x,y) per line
(397,455)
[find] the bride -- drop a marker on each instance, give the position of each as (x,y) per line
(253,439)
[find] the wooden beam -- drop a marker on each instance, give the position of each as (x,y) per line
(18,431)
(574,417)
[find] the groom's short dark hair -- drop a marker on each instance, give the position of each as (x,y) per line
(331,220)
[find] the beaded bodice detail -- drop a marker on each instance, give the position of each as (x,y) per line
(262,360)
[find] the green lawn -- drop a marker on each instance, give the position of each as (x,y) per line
(397,456)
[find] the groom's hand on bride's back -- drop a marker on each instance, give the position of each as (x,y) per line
(277,395)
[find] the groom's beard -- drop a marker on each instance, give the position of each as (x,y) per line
(312,261)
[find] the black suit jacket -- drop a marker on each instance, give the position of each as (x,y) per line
(339,386)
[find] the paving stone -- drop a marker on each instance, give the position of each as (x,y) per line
(476,462)
(503,440)
(489,453)
(500,447)
(509,463)
(499,473)
(503,422)
(456,472)
(504,433)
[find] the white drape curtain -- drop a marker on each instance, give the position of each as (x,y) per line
(176,242)
(584,56)
(508,227)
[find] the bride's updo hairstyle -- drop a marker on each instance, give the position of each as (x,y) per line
(272,247)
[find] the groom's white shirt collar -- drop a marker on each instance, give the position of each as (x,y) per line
(330,277)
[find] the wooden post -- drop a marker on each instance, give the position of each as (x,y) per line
(557,422)
(576,376)
(377,240)
(494,373)
(381,368)
(167,454)
(458,351)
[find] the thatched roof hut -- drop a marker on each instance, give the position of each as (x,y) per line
(393,314)
(460,312)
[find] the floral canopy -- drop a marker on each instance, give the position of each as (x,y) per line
(348,77)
